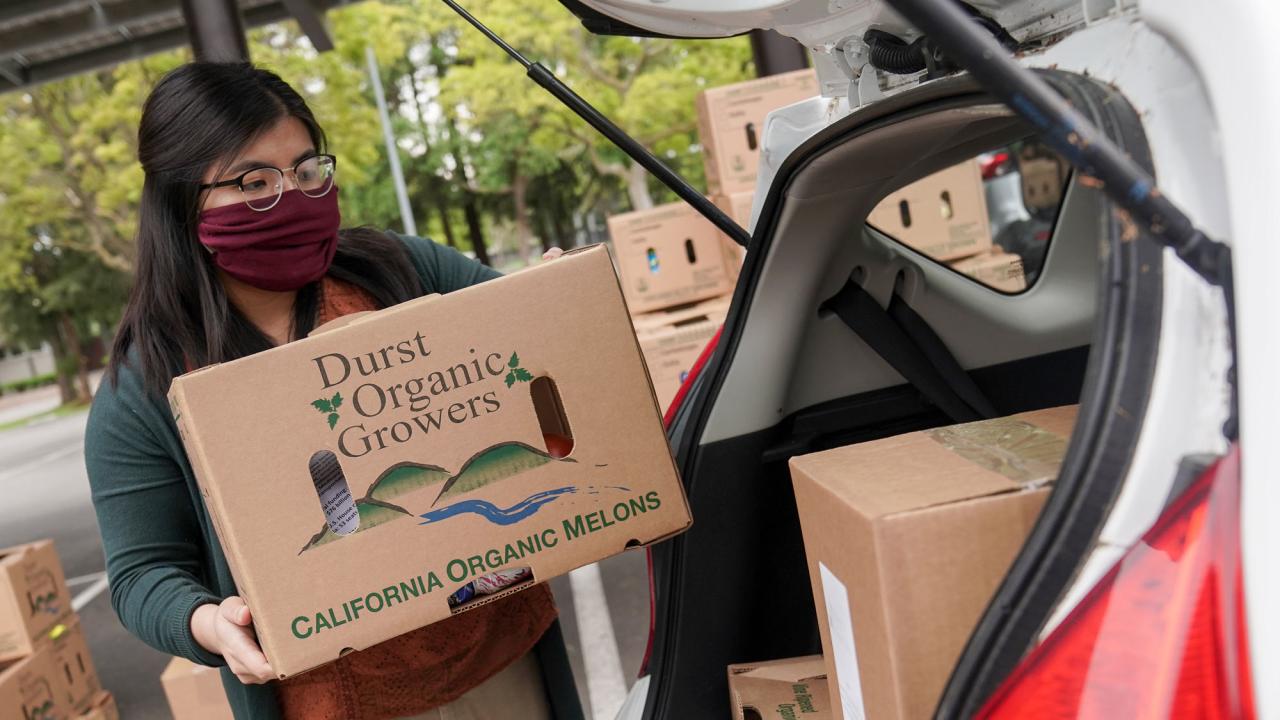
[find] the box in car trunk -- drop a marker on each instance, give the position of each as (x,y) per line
(780,690)
(907,539)
(372,478)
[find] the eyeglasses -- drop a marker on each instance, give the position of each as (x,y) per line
(263,186)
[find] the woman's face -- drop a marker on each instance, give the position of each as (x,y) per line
(282,146)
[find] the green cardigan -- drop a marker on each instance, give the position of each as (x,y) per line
(163,558)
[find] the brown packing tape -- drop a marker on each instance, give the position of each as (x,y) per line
(1014,448)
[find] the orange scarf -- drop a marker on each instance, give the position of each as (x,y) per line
(428,667)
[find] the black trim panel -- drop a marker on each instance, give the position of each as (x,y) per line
(1117,388)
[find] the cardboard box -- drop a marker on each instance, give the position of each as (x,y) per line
(29,689)
(75,676)
(738,207)
(104,707)
(907,539)
(667,256)
(672,341)
(33,597)
(943,216)
(359,477)
(791,689)
(996,269)
(731,125)
(194,691)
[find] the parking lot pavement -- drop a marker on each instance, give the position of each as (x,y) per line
(46,495)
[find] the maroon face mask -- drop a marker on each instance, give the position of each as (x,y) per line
(282,249)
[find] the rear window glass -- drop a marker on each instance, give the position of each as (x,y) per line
(990,218)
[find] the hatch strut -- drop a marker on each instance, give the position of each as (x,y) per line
(1061,126)
(1088,149)
(614,134)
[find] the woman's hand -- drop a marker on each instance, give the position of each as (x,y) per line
(227,630)
(552,254)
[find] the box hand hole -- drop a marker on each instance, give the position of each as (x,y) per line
(556,433)
(690,252)
(334,494)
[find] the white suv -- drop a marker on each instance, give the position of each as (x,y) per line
(1146,588)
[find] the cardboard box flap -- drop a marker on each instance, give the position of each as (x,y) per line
(341,322)
(899,474)
(790,670)
(353,318)
(780,689)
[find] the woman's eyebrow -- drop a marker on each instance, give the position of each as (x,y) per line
(251,164)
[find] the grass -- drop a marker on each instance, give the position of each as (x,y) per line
(60,411)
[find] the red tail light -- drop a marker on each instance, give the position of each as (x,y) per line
(1162,635)
(994,164)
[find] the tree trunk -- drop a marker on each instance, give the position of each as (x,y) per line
(445,223)
(475,230)
(562,221)
(75,352)
(524,233)
(542,215)
(66,388)
(638,187)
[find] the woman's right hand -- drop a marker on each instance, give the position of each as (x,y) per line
(227,630)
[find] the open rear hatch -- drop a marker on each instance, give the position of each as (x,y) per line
(735,588)
(832,31)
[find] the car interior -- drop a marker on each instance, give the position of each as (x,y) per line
(793,375)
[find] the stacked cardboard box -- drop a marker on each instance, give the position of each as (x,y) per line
(194,691)
(677,271)
(672,257)
(907,538)
(45,666)
(731,125)
(780,690)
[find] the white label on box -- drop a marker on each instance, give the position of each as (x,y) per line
(840,626)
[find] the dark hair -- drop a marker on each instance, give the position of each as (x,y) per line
(178,316)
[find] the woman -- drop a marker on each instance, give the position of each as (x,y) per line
(239,250)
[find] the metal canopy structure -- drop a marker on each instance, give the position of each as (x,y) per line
(44,40)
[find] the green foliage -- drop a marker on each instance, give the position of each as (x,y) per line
(472,131)
(31,383)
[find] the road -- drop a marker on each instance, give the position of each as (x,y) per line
(46,495)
